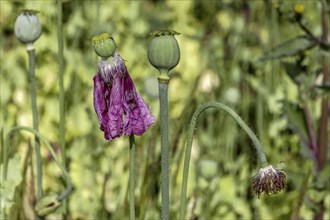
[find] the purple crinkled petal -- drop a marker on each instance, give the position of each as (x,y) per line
(120,109)
(137,114)
(115,111)
(101,93)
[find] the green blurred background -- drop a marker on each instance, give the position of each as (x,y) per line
(220,42)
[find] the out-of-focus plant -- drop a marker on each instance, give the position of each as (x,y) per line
(27,30)
(313,85)
(46,204)
(218,49)
(268,181)
(61,92)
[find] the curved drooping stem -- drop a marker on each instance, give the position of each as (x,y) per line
(66,176)
(191,129)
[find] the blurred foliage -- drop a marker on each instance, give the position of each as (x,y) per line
(221,45)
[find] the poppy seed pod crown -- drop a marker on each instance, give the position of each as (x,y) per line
(164,51)
(104,45)
(27,27)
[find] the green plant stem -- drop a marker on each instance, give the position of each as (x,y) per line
(323,123)
(191,129)
(163,81)
(301,195)
(66,176)
(132,177)
(33,92)
(61,91)
(4,164)
(312,138)
(61,81)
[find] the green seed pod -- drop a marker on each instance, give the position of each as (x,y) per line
(104,45)
(27,27)
(164,51)
(47,205)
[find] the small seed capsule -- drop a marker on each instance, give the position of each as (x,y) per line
(104,45)
(27,27)
(164,51)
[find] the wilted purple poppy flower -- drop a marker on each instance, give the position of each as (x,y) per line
(119,107)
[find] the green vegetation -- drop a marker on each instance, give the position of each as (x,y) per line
(267,60)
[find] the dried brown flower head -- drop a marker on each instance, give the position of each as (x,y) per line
(268,181)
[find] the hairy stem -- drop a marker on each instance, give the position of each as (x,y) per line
(191,129)
(163,81)
(132,177)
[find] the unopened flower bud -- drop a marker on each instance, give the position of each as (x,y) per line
(47,205)
(104,45)
(27,27)
(164,51)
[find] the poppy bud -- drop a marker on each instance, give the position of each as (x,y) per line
(47,205)
(27,27)
(104,45)
(164,51)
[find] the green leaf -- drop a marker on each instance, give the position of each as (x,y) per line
(325,88)
(9,186)
(289,48)
(295,114)
(294,71)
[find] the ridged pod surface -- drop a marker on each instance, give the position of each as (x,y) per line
(164,51)
(27,27)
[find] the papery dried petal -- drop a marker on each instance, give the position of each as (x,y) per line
(138,116)
(119,107)
(114,128)
(101,95)
(268,181)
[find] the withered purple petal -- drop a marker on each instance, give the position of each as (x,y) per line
(100,96)
(138,116)
(115,110)
(120,109)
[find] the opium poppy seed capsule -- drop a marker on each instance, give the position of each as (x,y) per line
(27,27)
(104,45)
(164,51)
